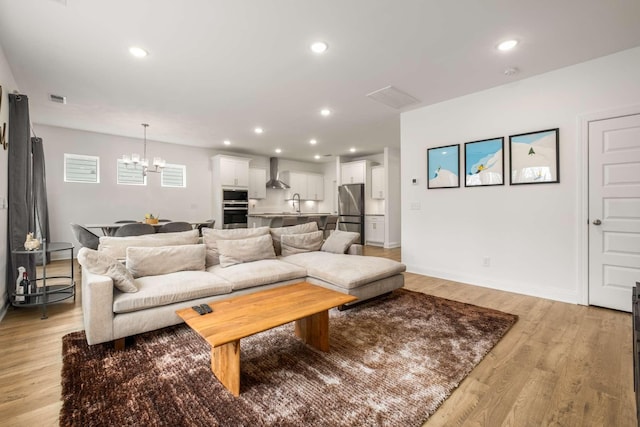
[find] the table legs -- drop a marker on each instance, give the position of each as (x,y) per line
(225,359)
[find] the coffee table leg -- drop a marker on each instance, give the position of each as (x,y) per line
(225,364)
(314,330)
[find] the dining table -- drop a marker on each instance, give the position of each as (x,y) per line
(109,228)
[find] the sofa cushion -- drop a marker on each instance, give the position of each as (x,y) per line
(299,243)
(117,246)
(258,273)
(276,233)
(170,288)
(212,235)
(99,263)
(339,241)
(153,261)
(345,271)
(237,251)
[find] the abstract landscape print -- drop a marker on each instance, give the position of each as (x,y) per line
(443,167)
(484,162)
(534,157)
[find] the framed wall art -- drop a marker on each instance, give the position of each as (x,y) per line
(443,167)
(484,162)
(534,157)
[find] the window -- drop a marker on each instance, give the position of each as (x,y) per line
(130,174)
(79,168)
(174,176)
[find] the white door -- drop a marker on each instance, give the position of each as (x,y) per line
(614,211)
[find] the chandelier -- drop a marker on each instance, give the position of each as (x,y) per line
(134,159)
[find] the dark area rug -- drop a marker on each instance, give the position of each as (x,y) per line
(392,363)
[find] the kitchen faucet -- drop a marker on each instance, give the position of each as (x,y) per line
(293,202)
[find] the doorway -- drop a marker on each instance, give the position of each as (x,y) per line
(613,209)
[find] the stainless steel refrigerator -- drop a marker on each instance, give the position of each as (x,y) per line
(351,209)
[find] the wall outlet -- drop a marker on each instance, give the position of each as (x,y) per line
(486,261)
(414,181)
(3,203)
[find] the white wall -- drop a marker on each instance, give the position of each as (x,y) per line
(8,84)
(108,201)
(530,232)
(393,201)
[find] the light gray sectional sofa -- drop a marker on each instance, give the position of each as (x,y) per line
(169,271)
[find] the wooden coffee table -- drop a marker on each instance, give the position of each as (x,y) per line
(239,317)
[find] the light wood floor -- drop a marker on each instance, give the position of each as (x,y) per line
(560,365)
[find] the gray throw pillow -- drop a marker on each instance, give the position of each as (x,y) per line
(100,263)
(211,236)
(155,261)
(339,241)
(299,243)
(278,232)
(237,251)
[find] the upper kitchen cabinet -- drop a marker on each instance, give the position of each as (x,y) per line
(354,172)
(233,172)
(309,186)
(257,183)
(377,182)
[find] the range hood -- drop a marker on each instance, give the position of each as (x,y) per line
(274,182)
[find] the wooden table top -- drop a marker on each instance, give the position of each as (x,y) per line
(245,315)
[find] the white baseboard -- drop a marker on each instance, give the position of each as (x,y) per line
(555,294)
(392,245)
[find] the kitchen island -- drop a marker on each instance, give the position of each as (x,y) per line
(265,218)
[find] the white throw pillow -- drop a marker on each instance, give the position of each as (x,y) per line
(298,243)
(339,241)
(103,264)
(212,235)
(277,233)
(117,246)
(154,261)
(237,251)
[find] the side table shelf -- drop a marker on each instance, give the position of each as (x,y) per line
(48,294)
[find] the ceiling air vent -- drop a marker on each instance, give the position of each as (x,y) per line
(58,98)
(392,97)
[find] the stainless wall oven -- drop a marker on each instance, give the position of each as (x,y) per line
(235,208)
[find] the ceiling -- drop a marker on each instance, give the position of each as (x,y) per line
(218,68)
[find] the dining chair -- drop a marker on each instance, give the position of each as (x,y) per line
(137,229)
(329,224)
(288,221)
(209,224)
(172,227)
(86,238)
(315,219)
(276,222)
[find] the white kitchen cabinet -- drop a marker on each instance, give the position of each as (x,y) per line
(353,172)
(377,182)
(374,230)
(257,183)
(310,186)
(233,171)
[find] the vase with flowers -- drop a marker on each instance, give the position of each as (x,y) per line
(150,219)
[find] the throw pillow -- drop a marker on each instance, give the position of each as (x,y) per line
(212,235)
(245,250)
(117,246)
(103,264)
(154,261)
(298,243)
(339,241)
(276,233)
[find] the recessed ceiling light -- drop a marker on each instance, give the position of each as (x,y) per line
(317,156)
(278,150)
(325,112)
(511,71)
(507,45)
(227,142)
(352,149)
(138,52)
(313,142)
(258,130)
(319,47)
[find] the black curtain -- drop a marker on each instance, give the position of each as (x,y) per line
(21,214)
(40,192)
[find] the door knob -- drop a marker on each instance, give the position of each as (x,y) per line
(597,222)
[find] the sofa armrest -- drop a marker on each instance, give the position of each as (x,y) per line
(97,307)
(355,249)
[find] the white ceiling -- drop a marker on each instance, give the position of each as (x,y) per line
(218,68)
